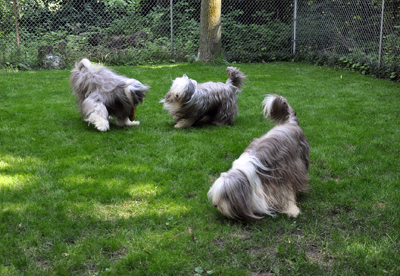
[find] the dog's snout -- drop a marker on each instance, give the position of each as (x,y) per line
(215,206)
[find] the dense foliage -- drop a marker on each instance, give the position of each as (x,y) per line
(130,32)
(347,34)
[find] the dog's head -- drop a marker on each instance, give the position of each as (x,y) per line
(79,72)
(78,78)
(232,194)
(84,64)
(182,89)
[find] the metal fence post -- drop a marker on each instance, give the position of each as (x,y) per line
(381,35)
(17,29)
(294,26)
(172,28)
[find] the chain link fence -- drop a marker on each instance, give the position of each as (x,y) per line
(360,35)
(53,34)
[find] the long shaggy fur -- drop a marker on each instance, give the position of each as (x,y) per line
(102,93)
(272,170)
(210,102)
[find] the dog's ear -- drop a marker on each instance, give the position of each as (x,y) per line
(194,82)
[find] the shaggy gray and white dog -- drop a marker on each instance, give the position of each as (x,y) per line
(266,178)
(210,102)
(102,93)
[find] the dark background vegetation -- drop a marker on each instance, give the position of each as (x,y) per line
(131,32)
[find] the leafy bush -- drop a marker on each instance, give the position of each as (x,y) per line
(253,43)
(365,64)
(391,48)
(128,32)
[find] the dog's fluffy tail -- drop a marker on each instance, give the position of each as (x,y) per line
(277,109)
(235,77)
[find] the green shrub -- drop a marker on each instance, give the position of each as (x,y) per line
(253,42)
(365,64)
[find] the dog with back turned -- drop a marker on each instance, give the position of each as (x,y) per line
(102,93)
(211,102)
(266,178)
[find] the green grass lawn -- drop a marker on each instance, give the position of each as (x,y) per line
(75,201)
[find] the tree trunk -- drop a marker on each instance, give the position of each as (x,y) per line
(210,30)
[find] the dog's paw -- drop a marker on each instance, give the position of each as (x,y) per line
(102,126)
(127,122)
(184,124)
(99,122)
(132,123)
(178,125)
(293,211)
